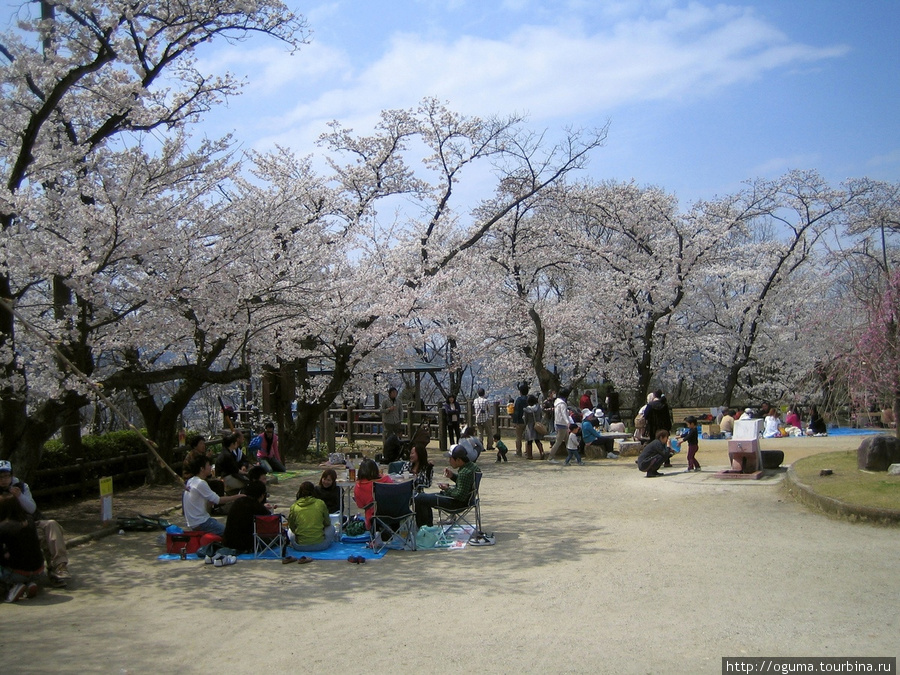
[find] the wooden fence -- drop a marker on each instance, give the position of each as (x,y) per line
(352,425)
(82,478)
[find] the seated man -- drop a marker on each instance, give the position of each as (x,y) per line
(726,426)
(198,495)
(231,466)
(21,561)
(451,497)
(239,525)
(590,434)
(655,454)
(50,534)
(197,447)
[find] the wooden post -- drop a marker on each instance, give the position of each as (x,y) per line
(409,420)
(351,428)
(321,435)
(442,430)
(329,433)
(82,477)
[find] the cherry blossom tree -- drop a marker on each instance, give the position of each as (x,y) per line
(373,275)
(874,361)
(785,222)
(77,79)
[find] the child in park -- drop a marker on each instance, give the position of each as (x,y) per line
(501,449)
(691,438)
(572,445)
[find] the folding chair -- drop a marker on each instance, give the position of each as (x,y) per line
(269,536)
(396,467)
(448,518)
(394,515)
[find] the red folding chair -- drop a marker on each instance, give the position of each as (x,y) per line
(269,536)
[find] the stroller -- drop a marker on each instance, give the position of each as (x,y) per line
(397,449)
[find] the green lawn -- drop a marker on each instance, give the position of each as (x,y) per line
(849,484)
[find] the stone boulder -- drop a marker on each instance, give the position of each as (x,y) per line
(877,453)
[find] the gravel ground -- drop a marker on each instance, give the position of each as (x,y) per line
(596,569)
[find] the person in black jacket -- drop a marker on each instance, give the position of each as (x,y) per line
(21,559)
(231,467)
(659,416)
(239,525)
(655,454)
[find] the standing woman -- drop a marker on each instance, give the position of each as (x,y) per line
(452,415)
(532,413)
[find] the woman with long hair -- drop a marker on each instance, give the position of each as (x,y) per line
(419,466)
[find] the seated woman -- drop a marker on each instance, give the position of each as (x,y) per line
(816,426)
(419,466)
(309,526)
(21,560)
(363,492)
(772,424)
(328,491)
(239,525)
(422,471)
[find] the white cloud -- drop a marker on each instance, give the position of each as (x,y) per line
(553,71)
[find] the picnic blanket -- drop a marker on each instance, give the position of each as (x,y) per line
(337,551)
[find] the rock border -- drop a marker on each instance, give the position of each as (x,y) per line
(835,507)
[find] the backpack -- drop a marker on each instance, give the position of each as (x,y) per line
(254,446)
(640,422)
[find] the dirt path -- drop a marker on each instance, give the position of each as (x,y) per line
(596,569)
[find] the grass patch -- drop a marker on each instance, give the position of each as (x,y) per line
(848,484)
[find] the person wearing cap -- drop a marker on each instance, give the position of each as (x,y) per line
(50,534)
(462,473)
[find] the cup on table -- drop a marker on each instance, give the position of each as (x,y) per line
(352,473)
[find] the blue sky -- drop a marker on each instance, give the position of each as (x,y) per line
(700,96)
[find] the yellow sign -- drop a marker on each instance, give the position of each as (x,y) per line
(106,495)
